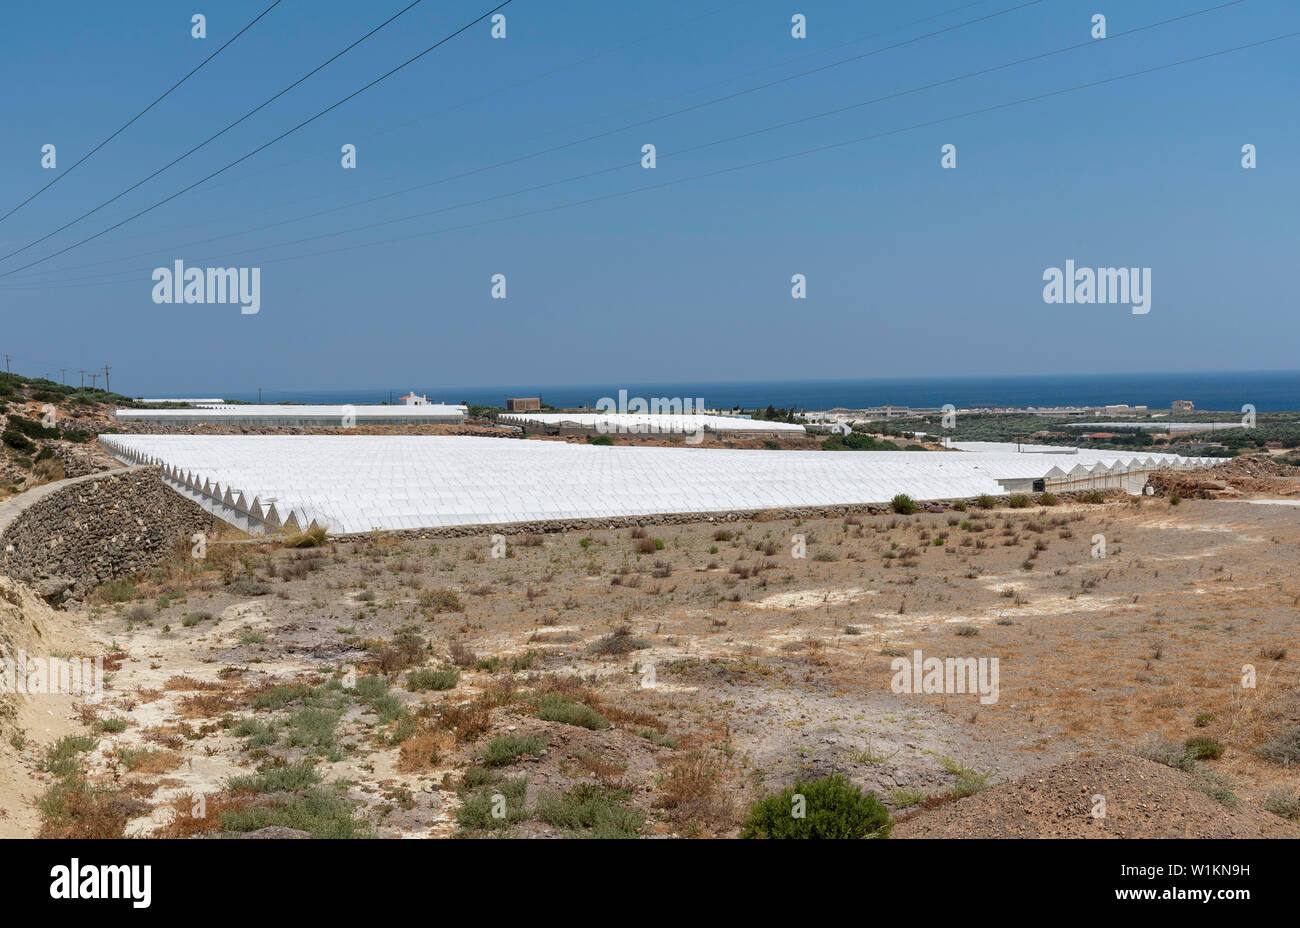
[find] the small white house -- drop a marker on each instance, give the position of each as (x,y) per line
(412,400)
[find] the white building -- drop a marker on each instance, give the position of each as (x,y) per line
(412,400)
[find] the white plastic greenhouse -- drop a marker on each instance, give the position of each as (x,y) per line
(353,483)
(648,423)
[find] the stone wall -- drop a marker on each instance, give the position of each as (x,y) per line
(66,538)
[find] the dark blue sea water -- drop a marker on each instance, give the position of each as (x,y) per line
(1268,391)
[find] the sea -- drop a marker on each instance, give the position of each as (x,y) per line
(1267,391)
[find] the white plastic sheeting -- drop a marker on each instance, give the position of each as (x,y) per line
(353,483)
(308,414)
(649,423)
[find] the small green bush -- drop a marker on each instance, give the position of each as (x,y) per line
(903,504)
(834,808)
(247,586)
(439,601)
(557,709)
(591,811)
(429,678)
(1204,748)
(1280,803)
(1283,749)
(506,749)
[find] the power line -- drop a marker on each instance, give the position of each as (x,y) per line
(58,177)
(689,150)
(267,145)
(544,74)
(211,138)
(821,148)
(289,163)
(506,163)
(810,151)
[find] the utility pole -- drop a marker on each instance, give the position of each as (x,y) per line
(259,396)
(6,364)
(93,378)
(83,379)
(106,386)
(63,376)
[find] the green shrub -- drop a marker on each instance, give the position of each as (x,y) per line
(554,708)
(439,601)
(247,586)
(18,441)
(61,757)
(1204,748)
(1284,749)
(429,678)
(506,749)
(833,808)
(619,641)
(316,812)
(1280,803)
(311,538)
(285,778)
(477,805)
(903,797)
(903,504)
(592,811)
(1019,501)
(313,729)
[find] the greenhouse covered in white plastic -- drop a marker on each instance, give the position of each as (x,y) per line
(354,483)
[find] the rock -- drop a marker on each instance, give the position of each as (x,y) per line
(51,589)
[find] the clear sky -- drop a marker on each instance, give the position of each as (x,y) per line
(911,268)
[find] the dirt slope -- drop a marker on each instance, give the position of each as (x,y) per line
(29,723)
(1143,800)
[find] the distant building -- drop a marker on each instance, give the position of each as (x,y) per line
(894,412)
(1123,409)
(1178,406)
(412,400)
(523,403)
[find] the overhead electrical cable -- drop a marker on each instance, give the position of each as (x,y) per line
(126,125)
(623,165)
(217,135)
(692,108)
(266,145)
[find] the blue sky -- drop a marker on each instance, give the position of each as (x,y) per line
(911,269)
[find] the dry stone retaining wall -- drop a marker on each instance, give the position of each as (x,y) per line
(66,538)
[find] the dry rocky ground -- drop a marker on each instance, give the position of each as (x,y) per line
(603,683)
